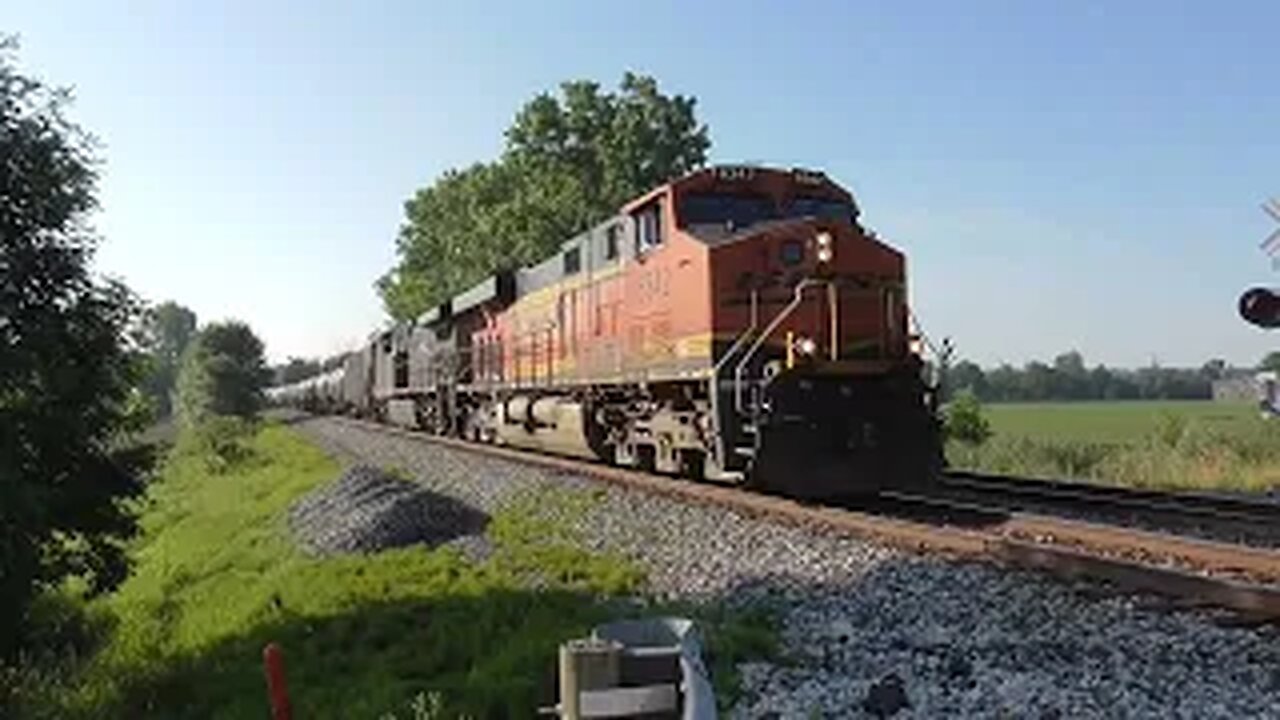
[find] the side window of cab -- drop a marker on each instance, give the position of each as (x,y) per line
(648,225)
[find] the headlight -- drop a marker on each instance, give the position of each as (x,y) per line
(806,346)
(826,250)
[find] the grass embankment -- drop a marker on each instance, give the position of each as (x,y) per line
(1176,445)
(217,577)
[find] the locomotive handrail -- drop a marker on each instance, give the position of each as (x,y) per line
(715,373)
(742,338)
(773,325)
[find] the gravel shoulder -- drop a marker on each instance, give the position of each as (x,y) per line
(869,631)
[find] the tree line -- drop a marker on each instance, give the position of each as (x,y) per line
(1068,378)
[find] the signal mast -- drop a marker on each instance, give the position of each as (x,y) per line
(1261,305)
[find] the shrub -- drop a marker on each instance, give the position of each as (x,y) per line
(221,441)
(965,421)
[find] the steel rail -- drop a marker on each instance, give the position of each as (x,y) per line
(1194,573)
(1190,504)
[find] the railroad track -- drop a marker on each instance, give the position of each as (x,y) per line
(1252,521)
(1186,572)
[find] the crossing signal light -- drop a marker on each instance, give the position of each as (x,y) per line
(1261,306)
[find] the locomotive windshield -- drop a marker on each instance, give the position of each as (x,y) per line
(723,208)
(740,211)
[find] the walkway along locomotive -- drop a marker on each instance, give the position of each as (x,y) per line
(738,323)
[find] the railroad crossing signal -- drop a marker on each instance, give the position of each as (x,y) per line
(1271,246)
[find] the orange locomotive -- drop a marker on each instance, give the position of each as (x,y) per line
(737,323)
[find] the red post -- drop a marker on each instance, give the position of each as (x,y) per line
(277,693)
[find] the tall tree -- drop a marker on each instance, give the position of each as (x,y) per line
(1214,369)
(1070,377)
(223,373)
(570,161)
(1271,361)
(68,363)
(168,328)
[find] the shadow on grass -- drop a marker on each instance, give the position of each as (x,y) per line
(490,655)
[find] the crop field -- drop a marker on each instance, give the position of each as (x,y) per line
(1122,421)
(1198,445)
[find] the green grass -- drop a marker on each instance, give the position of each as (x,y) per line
(1111,421)
(1174,445)
(217,578)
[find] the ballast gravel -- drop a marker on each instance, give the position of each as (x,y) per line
(872,632)
(368,509)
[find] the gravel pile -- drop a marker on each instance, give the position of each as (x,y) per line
(871,632)
(366,510)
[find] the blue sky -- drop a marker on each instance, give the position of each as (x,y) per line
(1075,175)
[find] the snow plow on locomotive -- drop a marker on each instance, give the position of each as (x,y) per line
(735,324)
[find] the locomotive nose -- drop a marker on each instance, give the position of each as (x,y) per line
(1260,306)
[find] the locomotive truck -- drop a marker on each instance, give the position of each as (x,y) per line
(737,324)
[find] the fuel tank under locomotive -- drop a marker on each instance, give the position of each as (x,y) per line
(826,437)
(548,423)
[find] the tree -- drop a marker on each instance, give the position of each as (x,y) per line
(1271,361)
(167,329)
(966,375)
(1037,381)
(223,374)
(1005,383)
(1214,369)
(603,149)
(570,161)
(1070,378)
(68,362)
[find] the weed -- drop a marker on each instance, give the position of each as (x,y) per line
(222,442)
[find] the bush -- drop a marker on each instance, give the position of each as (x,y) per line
(965,421)
(222,442)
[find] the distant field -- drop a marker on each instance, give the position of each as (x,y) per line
(1111,421)
(1171,444)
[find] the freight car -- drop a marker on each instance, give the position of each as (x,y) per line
(738,323)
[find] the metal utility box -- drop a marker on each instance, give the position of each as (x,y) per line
(636,668)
